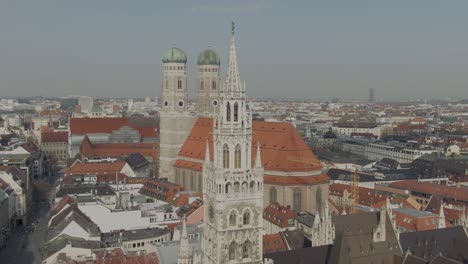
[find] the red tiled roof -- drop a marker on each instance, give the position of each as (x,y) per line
(367,197)
(30,147)
(281,147)
(61,204)
(83,126)
(88,149)
(273,243)
(412,223)
(50,136)
(296,180)
(434,189)
(279,215)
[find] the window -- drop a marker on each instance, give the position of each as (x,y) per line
(201,85)
(226,156)
(273,195)
(228,112)
(179,84)
(318,199)
(232,250)
(246,249)
(232,218)
(167,84)
(246,217)
(236,112)
(297,199)
(237,157)
(213,85)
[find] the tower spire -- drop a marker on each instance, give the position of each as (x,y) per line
(441,223)
(184,250)
(207,153)
(232,83)
(258,158)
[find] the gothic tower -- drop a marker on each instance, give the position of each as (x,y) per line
(208,83)
(175,120)
(232,187)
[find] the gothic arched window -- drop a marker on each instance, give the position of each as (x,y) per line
(232,218)
(201,85)
(246,249)
(237,157)
(318,199)
(232,250)
(236,112)
(246,217)
(273,195)
(226,156)
(228,112)
(228,187)
(297,199)
(213,85)
(167,84)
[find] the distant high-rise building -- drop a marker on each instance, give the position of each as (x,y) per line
(371,95)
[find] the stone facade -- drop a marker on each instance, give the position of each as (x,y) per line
(175,120)
(232,188)
(208,89)
(312,198)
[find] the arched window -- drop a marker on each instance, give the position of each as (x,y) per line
(232,250)
(297,199)
(236,112)
(318,200)
(273,195)
(232,218)
(228,112)
(179,84)
(245,187)
(237,157)
(246,249)
(226,156)
(252,186)
(167,84)
(236,186)
(213,85)
(246,217)
(228,187)
(201,85)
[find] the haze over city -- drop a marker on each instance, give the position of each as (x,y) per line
(287,49)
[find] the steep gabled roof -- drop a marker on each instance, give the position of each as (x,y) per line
(281,147)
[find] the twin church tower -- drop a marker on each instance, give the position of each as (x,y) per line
(233,177)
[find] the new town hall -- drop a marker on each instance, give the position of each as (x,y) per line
(241,165)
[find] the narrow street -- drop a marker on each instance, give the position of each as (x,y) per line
(25,243)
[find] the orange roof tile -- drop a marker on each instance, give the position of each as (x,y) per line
(279,215)
(50,136)
(88,149)
(296,180)
(460,194)
(281,147)
(83,126)
(273,243)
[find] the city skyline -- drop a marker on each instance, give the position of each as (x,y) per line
(306,50)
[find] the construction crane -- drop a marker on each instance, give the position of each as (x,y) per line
(355,191)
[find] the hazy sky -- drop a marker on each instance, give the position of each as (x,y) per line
(295,49)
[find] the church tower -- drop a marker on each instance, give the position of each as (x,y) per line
(175,120)
(208,83)
(232,187)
